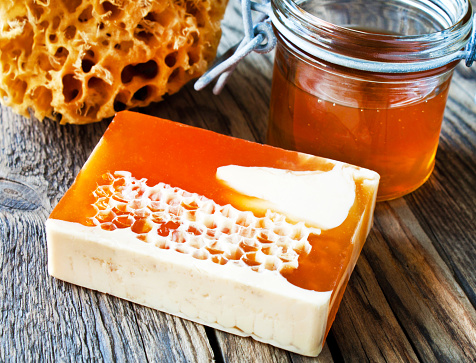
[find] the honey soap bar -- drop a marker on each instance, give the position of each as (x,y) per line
(243,237)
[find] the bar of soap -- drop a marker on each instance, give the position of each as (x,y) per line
(243,237)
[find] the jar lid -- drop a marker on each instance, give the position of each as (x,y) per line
(391,36)
(298,22)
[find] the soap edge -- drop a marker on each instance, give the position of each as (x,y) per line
(66,236)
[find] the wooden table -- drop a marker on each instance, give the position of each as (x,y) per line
(411,297)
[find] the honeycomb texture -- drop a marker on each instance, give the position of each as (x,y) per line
(79,61)
(171,218)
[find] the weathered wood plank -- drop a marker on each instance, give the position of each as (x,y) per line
(239,349)
(366,328)
(324,357)
(431,308)
(446,205)
(170,339)
(47,319)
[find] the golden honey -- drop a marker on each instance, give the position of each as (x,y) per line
(397,139)
(366,82)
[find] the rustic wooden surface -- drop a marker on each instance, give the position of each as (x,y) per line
(411,297)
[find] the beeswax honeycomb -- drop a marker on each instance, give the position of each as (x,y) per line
(172,218)
(80,61)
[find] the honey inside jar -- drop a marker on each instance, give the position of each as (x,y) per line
(390,124)
(332,96)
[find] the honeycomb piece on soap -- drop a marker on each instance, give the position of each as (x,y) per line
(246,238)
(80,61)
(190,223)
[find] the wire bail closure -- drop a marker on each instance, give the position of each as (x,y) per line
(260,38)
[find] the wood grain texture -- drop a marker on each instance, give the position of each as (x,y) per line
(47,319)
(247,350)
(366,328)
(411,297)
(419,289)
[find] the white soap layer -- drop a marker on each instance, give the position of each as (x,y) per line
(228,297)
(322,199)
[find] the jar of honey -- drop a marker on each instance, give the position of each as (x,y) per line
(365,82)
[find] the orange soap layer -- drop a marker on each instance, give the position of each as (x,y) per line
(186,157)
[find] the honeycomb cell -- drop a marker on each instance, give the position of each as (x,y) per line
(216,248)
(234,253)
(178,237)
(103,191)
(176,210)
(91,222)
(110,10)
(86,14)
(190,204)
(102,203)
(264,237)
(72,88)
(138,204)
(147,70)
(195,242)
(182,249)
(219,259)
(250,245)
(108,226)
(108,178)
(194,230)
(71,5)
(143,237)
(163,244)
(251,259)
(142,94)
(281,231)
(211,234)
(200,255)
(141,213)
(287,257)
(70,32)
(43,95)
(124,221)
(269,249)
(171,59)
(163,229)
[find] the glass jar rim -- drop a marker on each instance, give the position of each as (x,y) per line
(316,35)
(405,80)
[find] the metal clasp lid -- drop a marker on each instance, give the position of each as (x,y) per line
(260,38)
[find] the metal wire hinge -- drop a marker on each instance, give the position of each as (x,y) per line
(258,37)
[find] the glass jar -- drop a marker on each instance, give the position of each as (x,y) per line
(334,106)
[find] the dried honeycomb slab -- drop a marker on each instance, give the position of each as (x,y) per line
(79,61)
(207,227)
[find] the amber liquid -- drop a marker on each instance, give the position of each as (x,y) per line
(399,142)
